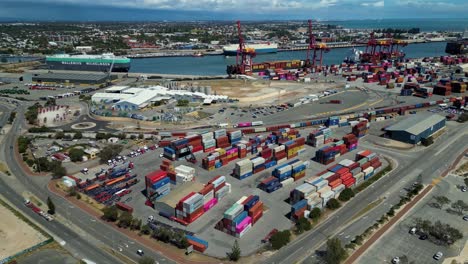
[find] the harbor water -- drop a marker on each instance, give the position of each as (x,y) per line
(216,65)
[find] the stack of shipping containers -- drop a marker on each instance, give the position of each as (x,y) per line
(157,185)
(184,174)
(195,204)
(243,169)
(333,121)
(208,142)
(183,147)
(293,147)
(241,216)
(316,138)
(234,136)
(361,129)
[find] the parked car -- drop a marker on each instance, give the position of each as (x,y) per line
(423,237)
(465,217)
(140,252)
(438,255)
(396,260)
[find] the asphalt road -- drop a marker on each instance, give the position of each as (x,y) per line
(429,163)
(83,235)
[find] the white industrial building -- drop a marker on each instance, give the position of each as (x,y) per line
(132,98)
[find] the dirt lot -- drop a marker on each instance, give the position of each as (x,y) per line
(11,230)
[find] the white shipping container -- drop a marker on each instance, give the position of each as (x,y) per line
(185,170)
(368,171)
(313,195)
(229,187)
(242,199)
(346,162)
(324,190)
(279,148)
(327,175)
(360,175)
(281,161)
(259,129)
(287,182)
(239,235)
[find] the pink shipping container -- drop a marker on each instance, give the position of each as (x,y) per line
(242,225)
(210,204)
(245,124)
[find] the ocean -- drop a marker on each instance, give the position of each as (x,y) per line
(427,25)
(216,65)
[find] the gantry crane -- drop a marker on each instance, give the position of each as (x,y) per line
(318,50)
(243,58)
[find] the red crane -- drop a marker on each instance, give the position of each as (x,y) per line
(319,49)
(244,55)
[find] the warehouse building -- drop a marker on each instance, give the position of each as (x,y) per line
(125,98)
(73,78)
(415,128)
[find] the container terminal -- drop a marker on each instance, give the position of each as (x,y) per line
(224,159)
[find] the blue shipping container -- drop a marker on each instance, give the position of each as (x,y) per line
(251,203)
(161,182)
(169,150)
(240,217)
(335,168)
(299,205)
(196,239)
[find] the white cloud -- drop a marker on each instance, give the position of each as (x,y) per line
(373,4)
(253,6)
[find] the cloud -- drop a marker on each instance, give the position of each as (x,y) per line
(203,5)
(373,4)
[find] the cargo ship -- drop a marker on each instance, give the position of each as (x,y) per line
(86,62)
(459,46)
(268,47)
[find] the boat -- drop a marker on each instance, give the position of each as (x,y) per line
(85,62)
(267,47)
(353,56)
(198,54)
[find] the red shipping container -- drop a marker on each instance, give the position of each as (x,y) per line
(208,188)
(257,217)
(377,165)
(256,208)
(322,172)
(209,149)
(155,176)
(194,215)
(258,170)
(197,246)
(346,176)
(365,165)
(250,197)
(299,213)
(343,171)
(374,159)
(353,166)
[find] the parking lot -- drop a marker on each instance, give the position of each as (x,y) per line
(400,243)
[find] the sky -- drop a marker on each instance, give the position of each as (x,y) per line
(157,10)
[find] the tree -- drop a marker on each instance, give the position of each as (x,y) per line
(145,229)
(109,152)
(51,206)
(235,253)
(182,102)
(280,239)
(141,136)
(59,135)
(58,171)
(302,225)
(333,204)
(335,252)
(110,213)
(346,195)
(76,154)
(146,260)
(135,224)
(315,214)
(459,206)
(442,200)
(78,135)
(125,219)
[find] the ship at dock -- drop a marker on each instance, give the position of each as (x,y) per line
(84,62)
(268,47)
(459,46)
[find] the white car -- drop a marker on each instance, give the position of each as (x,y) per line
(161,155)
(438,255)
(396,260)
(140,252)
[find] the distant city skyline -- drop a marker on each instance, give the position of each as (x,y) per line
(157,10)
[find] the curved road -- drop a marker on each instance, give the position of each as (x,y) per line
(83,235)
